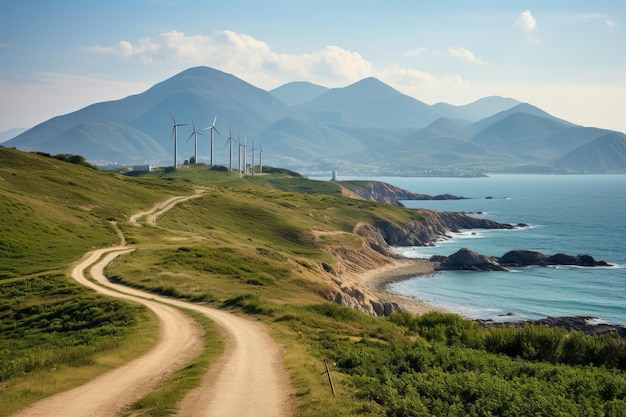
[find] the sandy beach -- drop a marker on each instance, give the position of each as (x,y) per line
(375,281)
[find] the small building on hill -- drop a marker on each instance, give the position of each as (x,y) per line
(142,168)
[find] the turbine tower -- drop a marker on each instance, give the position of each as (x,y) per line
(245,153)
(230,151)
(260,159)
(195,133)
(175,136)
(252,167)
(240,146)
(212,128)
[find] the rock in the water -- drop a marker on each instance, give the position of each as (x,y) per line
(580,260)
(467,260)
(521,257)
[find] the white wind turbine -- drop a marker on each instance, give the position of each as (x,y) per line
(195,133)
(212,128)
(230,141)
(175,135)
(260,159)
(252,167)
(240,146)
(245,154)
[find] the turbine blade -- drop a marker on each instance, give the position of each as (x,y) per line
(172,118)
(214,120)
(216,131)
(190,136)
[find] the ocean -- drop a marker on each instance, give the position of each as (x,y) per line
(573,214)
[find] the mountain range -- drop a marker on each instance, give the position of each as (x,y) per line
(364,128)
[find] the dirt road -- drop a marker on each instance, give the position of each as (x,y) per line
(249,380)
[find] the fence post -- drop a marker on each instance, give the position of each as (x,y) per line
(330,379)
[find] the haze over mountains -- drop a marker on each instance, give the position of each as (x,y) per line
(365,128)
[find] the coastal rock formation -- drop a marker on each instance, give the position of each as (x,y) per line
(528,258)
(523,258)
(579,260)
(465,259)
(468,260)
(431,226)
(387,193)
(357,299)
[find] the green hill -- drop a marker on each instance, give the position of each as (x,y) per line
(273,246)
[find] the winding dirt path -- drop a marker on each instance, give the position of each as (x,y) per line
(249,380)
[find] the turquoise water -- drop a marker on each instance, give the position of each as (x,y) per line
(570,214)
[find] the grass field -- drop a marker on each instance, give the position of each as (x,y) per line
(260,244)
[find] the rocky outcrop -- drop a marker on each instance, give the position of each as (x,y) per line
(387,193)
(522,258)
(359,300)
(465,259)
(432,226)
(468,260)
(529,258)
(578,260)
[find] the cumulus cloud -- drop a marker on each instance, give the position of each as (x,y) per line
(610,24)
(466,55)
(256,62)
(416,52)
(242,54)
(415,82)
(526,22)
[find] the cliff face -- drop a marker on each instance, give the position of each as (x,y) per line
(432,226)
(387,193)
(379,237)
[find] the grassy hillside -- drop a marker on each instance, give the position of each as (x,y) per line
(264,245)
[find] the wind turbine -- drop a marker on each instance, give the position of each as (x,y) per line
(230,151)
(260,159)
(212,128)
(175,135)
(240,146)
(245,154)
(252,168)
(195,133)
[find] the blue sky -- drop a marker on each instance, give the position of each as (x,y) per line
(566,56)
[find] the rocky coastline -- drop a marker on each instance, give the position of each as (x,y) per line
(362,281)
(467,260)
(585,324)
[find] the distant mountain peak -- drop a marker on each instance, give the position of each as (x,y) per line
(298,92)
(372,87)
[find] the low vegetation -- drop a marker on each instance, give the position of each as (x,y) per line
(258,244)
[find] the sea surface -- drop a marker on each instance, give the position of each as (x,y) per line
(573,214)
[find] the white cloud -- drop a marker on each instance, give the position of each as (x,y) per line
(466,55)
(609,24)
(526,22)
(249,58)
(256,62)
(420,84)
(416,52)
